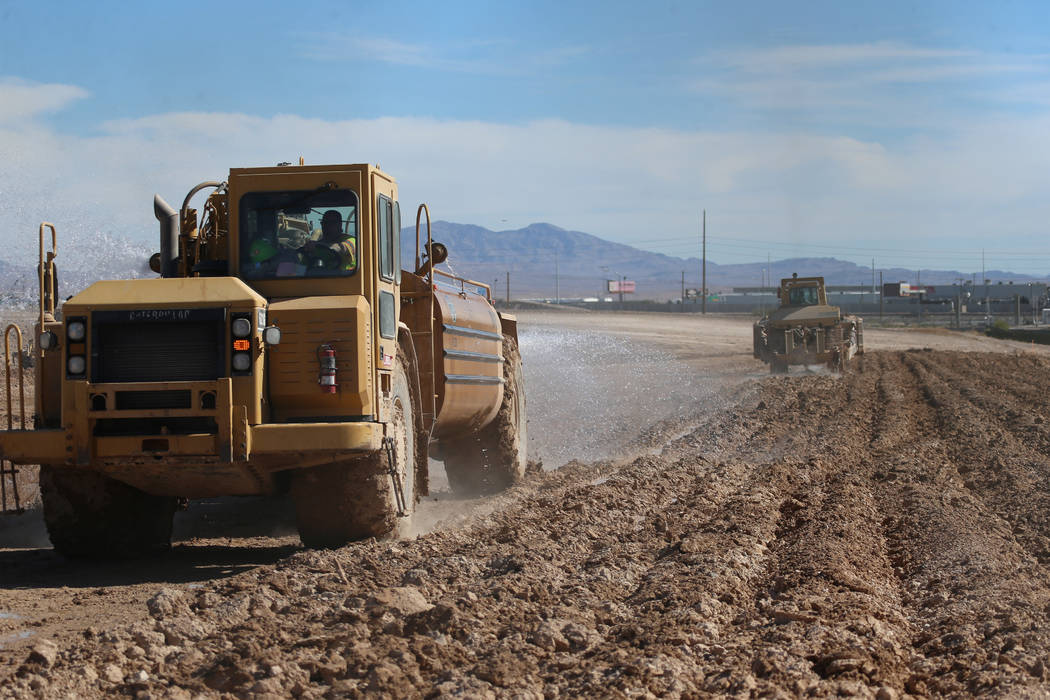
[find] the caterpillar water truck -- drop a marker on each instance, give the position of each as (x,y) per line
(806,330)
(282,348)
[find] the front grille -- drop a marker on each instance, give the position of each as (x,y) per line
(122,427)
(144,400)
(157,352)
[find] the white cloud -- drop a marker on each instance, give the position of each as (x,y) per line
(21,100)
(942,73)
(817,56)
(626,184)
(489,57)
(879,84)
(333,46)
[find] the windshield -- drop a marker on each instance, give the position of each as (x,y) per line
(802,296)
(298,234)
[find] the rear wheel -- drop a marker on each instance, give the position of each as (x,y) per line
(494,458)
(90,515)
(371,496)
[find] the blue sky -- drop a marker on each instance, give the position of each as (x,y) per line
(915,133)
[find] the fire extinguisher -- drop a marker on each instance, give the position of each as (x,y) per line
(326,376)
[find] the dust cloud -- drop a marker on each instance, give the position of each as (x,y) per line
(590,393)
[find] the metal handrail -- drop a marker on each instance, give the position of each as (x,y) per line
(431,402)
(21,377)
(7,468)
(430,243)
(463,282)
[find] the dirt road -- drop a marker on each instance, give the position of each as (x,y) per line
(881,534)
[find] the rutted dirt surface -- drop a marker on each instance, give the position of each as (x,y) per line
(882,534)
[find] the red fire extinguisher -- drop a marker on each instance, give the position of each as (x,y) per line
(326,377)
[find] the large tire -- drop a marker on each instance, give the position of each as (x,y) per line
(356,499)
(92,516)
(495,458)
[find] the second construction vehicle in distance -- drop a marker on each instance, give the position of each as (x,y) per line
(805,330)
(283,348)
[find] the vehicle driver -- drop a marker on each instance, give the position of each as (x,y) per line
(335,250)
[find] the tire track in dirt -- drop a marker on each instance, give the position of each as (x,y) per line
(1015,405)
(814,538)
(904,445)
(1015,375)
(829,568)
(812,502)
(974,421)
(954,549)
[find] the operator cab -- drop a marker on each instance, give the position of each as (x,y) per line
(803,296)
(802,291)
(311,233)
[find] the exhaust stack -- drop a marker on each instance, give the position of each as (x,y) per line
(169,236)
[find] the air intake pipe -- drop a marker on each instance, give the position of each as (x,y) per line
(169,236)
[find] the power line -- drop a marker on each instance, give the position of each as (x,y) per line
(756,242)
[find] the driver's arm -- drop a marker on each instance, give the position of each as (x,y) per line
(346,252)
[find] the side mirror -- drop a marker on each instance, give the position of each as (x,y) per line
(47,341)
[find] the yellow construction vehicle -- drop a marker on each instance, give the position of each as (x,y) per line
(806,330)
(282,348)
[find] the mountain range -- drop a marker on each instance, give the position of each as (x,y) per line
(540,260)
(545,261)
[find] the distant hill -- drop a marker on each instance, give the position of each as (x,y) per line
(584,262)
(531,255)
(81,261)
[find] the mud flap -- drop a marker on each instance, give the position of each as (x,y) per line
(10,502)
(395,478)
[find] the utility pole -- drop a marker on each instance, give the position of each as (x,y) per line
(987,306)
(882,290)
(557,288)
(683,290)
(623,278)
(508,286)
(873,275)
(918,283)
(703,265)
(762,295)
(1031,303)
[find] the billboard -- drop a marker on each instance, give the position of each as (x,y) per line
(625,287)
(896,289)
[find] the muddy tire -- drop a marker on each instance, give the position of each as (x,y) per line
(89,515)
(838,362)
(495,458)
(356,499)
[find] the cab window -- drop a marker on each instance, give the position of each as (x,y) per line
(312,233)
(803,296)
(386,238)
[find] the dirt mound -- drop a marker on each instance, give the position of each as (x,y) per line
(880,534)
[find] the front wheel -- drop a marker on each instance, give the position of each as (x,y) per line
(90,515)
(494,458)
(371,496)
